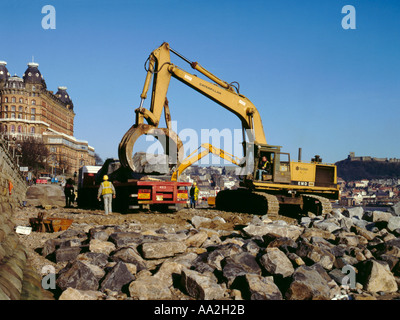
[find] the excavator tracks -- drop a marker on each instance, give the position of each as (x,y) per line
(246,201)
(316,204)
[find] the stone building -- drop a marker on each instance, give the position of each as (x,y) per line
(28,109)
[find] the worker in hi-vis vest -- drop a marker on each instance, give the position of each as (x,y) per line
(106,190)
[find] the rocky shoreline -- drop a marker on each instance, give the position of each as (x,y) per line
(204,254)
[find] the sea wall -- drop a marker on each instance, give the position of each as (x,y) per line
(18,280)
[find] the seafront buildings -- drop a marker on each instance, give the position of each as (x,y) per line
(29,109)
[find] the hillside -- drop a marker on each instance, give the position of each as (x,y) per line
(350,170)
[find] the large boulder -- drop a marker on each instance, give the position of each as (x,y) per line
(280,229)
(201,287)
(117,277)
(256,287)
(78,276)
(150,163)
(277,263)
(376,276)
(310,283)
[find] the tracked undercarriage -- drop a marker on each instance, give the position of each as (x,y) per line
(262,203)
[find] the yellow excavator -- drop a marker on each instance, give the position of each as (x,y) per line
(310,185)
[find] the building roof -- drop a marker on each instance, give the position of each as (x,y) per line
(33,75)
(63,95)
(4,74)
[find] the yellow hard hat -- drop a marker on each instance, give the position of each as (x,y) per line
(105,177)
(194,183)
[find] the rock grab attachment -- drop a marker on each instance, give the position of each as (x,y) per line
(170,141)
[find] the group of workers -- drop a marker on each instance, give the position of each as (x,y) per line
(107,191)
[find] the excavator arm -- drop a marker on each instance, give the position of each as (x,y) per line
(159,73)
(208,148)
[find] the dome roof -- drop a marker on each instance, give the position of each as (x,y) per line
(33,75)
(4,74)
(63,95)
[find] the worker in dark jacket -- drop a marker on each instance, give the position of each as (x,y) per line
(69,193)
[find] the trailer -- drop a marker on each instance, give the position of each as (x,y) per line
(144,193)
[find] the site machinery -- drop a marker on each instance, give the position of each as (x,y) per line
(310,185)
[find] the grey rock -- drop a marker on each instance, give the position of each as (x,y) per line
(150,163)
(327,225)
(395,209)
(149,288)
(200,286)
(311,253)
(309,283)
(121,239)
(157,250)
(78,276)
(393,223)
(376,276)
(98,259)
(238,265)
(129,255)
(354,212)
(289,231)
(276,262)
(117,278)
(197,221)
(256,287)
(67,254)
(378,216)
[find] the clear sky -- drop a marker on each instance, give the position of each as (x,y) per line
(317,86)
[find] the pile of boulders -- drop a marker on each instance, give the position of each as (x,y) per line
(346,254)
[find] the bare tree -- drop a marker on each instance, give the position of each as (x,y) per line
(34,154)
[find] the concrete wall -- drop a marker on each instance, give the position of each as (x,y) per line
(18,280)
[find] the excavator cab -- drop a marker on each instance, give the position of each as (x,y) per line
(272,165)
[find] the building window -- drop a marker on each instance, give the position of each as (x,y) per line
(32,117)
(12,115)
(32,130)
(21,100)
(33,102)
(19,129)
(19,115)
(13,99)
(5,99)
(33,111)
(13,108)
(12,129)
(5,108)
(20,108)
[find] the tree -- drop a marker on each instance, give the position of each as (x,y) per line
(34,154)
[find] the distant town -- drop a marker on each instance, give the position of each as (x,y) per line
(374,192)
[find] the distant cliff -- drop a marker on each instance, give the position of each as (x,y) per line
(350,169)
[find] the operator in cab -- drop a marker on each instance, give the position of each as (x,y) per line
(263,167)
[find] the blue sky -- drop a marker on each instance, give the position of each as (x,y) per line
(316,85)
